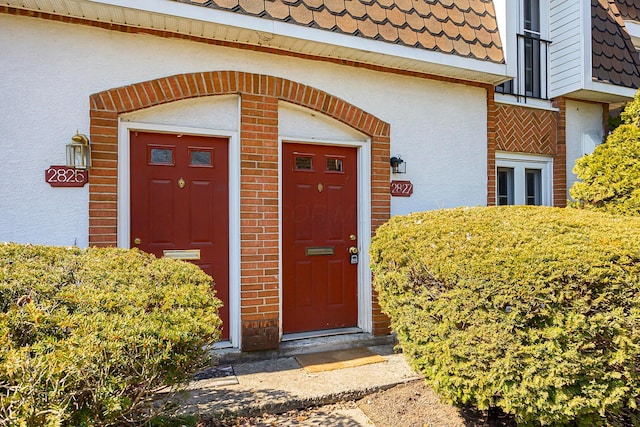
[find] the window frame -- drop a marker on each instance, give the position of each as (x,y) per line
(520,163)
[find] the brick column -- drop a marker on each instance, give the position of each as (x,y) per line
(560,159)
(491,146)
(259,263)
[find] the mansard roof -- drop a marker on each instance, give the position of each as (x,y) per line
(614,58)
(466,28)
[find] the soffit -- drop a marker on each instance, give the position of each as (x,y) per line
(233,25)
(467,28)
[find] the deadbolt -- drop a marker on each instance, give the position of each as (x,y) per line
(353,237)
(137,241)
(353,250)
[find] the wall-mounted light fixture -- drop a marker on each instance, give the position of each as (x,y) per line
(79,152)
(398,165)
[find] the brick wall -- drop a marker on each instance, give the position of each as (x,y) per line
(532,131)
(259,202)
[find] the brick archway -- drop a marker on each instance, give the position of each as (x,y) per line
(259,95)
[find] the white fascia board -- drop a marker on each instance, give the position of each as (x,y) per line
(191,12)
(611,89)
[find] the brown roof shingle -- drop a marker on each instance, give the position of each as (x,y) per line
(614,58)
(629,9)
(466,28)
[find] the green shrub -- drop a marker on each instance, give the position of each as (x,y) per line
(88,336)
(532,310)
(610,176)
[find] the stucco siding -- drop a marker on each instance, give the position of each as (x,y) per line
(582,118)
(51,69)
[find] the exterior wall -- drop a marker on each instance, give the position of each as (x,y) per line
(582,118)
(566,58)
(97,80)
(80,61)
(534,131)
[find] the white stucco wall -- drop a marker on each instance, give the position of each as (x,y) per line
(50,69)
(582,118)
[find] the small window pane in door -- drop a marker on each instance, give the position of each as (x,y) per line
(304,163)
(200,157)
(161,156)
(505,186)
(334,165)
(533,187)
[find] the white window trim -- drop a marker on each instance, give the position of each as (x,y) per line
(519,162)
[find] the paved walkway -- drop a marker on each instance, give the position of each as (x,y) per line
(278,385)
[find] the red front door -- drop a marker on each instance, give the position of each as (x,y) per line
(180,202)
(320,223)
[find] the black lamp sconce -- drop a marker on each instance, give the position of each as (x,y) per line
(398,165)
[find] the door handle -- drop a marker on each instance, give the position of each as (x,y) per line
(137,241)
(353,250)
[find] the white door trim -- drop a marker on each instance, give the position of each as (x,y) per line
(124,208)
(364,222)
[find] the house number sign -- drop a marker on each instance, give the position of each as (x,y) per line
(401,188)
(64,176)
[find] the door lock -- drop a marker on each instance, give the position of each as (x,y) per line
(137,241)
(353,250)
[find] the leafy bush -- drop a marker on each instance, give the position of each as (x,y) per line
(88,336)
(532,310)
(610,176)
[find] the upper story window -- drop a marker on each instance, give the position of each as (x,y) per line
(531,54)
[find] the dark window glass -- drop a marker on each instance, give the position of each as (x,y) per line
(304,163)
(334,165)
(162,156)
(533,190)
(200,158)
(505,186)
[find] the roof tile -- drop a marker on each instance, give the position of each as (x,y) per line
(324,19)
(450,29)
(397,17)
(368,28)
(415,21)
(277,10)
(335,6)
(252,7)
(427,40)
(355,8)
(300,14)
(629,9)
(346,23)
(388,32)
(614,58)
(462,27)
(377,13)
(405,5)
(408,36)
(439,11)
(226,4)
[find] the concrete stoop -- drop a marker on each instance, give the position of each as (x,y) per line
(276,383)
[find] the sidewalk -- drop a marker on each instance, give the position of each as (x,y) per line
(280,384)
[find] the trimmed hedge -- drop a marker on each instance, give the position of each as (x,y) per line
(88,336)
(529,309)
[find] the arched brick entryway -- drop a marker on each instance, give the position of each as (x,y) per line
(259,96)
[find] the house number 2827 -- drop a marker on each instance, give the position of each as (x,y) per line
(401,188)
(64,176)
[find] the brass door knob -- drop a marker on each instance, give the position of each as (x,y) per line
(137,241)
(353,250)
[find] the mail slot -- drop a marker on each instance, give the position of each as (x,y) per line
(319,250)
(184,254)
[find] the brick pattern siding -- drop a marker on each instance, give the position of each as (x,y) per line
(534,131)
(259,202)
